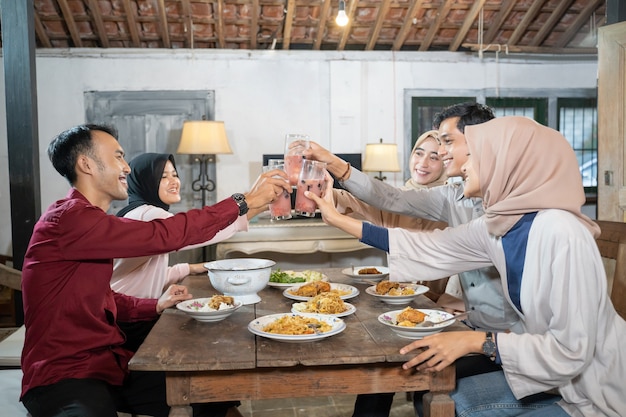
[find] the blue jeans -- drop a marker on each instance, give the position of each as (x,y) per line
(489,395)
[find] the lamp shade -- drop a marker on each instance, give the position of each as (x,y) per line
(203,137)
(381,157)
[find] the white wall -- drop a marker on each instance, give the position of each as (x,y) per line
(342,100)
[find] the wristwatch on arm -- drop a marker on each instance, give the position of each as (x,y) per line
(240,199)
(489,347)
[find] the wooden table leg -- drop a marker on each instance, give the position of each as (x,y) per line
(437,402)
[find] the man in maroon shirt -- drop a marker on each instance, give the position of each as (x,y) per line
(72,359)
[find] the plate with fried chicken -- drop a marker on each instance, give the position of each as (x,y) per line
(309,290)
(396,293)
(363,274)
(406,323)
(215,308)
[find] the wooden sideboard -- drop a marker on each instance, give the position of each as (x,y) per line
(295,236)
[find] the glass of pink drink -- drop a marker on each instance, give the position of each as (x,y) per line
(295,144)
(311,179)
(280,208)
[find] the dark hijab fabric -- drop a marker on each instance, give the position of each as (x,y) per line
(146,171)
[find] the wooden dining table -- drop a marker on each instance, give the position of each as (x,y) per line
(224,361)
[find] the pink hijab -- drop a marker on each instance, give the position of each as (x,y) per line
(524,167)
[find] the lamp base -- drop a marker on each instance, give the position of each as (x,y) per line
(380,176)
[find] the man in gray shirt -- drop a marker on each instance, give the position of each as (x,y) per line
(482,289)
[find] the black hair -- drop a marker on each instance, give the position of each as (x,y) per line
(65,148)
(469,114)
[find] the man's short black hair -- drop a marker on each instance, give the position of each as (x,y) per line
(64,149)
(469,113)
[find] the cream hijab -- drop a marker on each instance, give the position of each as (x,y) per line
(441,179)
(524,167)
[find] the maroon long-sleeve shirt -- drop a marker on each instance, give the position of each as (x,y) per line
(70,311)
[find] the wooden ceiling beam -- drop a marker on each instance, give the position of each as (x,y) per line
(352,6)
(553,20)
(41,33)
(529,17)
(96,15)
(382,12)
(467,24)
(499,20)
(321,25)
(69,22)
(575,26)
(254,24)
(291,10)
(219,18)
(407,24)
(132,24)
(442,13)
(165,34)
(188,23)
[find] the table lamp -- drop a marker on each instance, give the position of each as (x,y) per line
(205,139)
(381,157)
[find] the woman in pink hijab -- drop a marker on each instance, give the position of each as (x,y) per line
(534,233)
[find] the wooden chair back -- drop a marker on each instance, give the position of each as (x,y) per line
(612,245)
(10,277)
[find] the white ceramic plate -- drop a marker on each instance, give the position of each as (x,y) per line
(291,284)
(352,292)
(389,319)
(398,299)
(361,277)
(207,316)
(295,308)
(256,327)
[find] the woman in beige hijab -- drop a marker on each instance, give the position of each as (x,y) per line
(535,234)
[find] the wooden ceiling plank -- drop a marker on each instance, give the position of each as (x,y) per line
(352,6)
(467,25)
(583,17)
(132,24)
(165,34)
(321,25)
(254,24)
(380,19)
(186,9)
(96,15)
(442,13)
(291,11)
(499,20)
(40,31)
(71,25)
(406,25)
(551,23)
(530,15)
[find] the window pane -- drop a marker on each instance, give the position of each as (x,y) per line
(578,122)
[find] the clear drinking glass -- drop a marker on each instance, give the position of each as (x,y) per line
(295,144)
(280,209)
(311,178)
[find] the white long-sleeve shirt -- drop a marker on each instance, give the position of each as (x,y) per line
(149,276)
(572,338)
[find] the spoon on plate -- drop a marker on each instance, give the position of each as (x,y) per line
(428,323)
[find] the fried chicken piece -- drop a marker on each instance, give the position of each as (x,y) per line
(312,289)
(369,271)
(217,300)
(383,287)
(410,314)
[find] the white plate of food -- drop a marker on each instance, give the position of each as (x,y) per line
(371,273)
(325,303)
(289,278)
(296,327)
(395,293)
(405,323)
(210,309)
(307,291)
